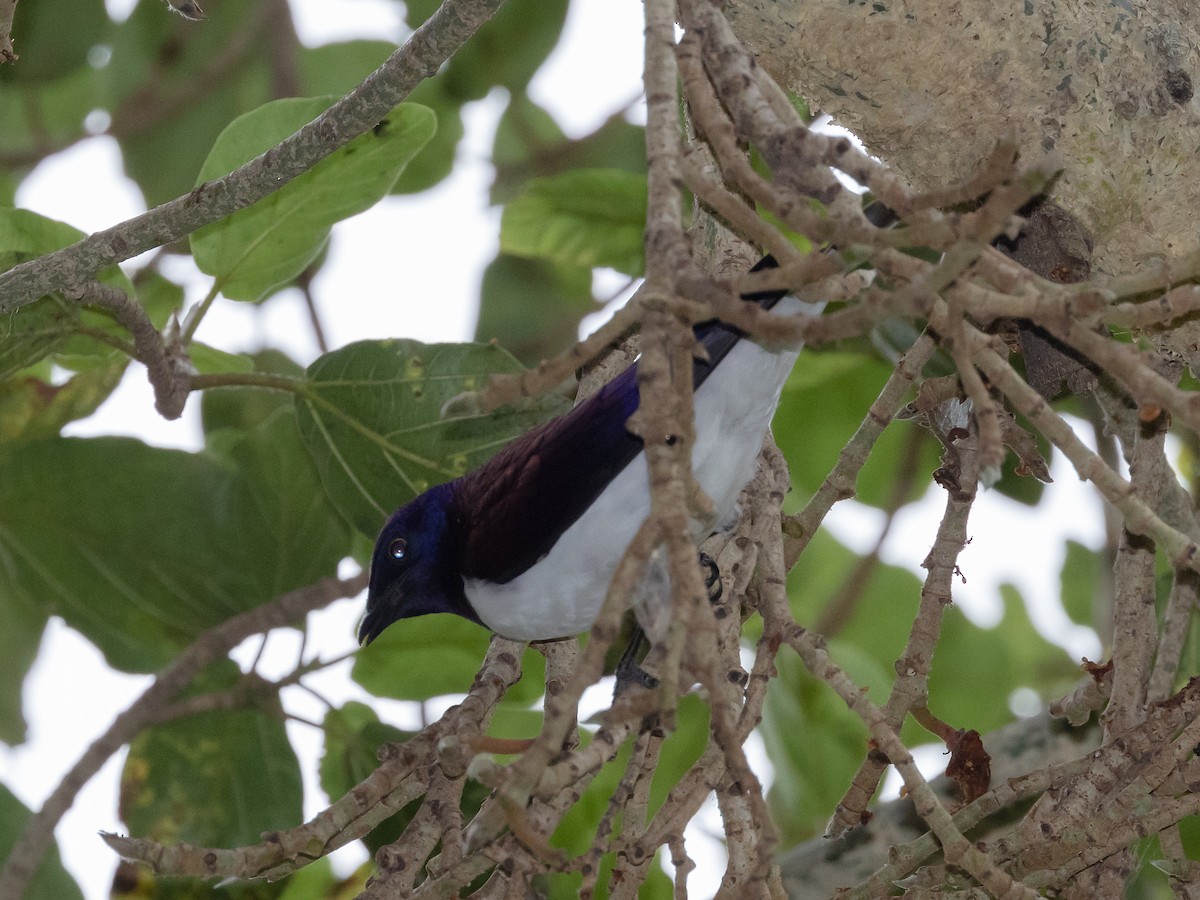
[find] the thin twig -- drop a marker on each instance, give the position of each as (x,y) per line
(800,528)
(35,839)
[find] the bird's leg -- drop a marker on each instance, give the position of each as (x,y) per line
(712,577)
(629,672)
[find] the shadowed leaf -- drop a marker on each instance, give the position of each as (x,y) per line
(50,324)
(51,881)
(141,548)
(371,417)
(434,655)
(590,217)
(533,307)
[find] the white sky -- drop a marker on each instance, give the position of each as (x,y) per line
(436,244)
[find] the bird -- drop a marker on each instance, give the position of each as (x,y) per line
(527,543)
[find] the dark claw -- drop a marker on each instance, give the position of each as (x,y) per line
(712,577)
(629,673)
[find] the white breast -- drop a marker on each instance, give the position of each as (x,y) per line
(561,594)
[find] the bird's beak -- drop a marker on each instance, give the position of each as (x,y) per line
(382,603)
(374,622)
(369,629)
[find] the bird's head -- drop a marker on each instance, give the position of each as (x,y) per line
(414,568)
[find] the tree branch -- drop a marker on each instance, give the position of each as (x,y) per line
(72,267)
(167,365)
(8,9)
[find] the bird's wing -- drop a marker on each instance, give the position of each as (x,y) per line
(520,502)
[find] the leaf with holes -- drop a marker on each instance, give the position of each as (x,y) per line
(218,778)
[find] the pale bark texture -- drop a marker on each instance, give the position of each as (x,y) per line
(931,86)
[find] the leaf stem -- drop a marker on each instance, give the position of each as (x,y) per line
(248,379)
(196,316)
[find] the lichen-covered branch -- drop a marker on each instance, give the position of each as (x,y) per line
(8,9)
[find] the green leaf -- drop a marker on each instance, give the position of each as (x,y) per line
(514,721)
(1080,583)
(209,360)
(160,59)
(371,417)
(278,495)
(533,307)
(434,161)
(181,140)
(158,295)
(530,144)
(8,189)
(271,242)
(33,332)
(216,779)
(1189,660)
(338,67)
(51,881)
(353,736)
(46,114)
(50,324)
(527,139)
(431,656)
(588,217)
(810,736)
(877,620)
(417,11)
(241,409)
(681,749)
(507,50)
(823,403)
(32,408)
(658,885)
(141,548)
(53,39)
(335,68)
(315,881)
(19,641)
(975,670)
(813,741)
(577,828)
(576,832)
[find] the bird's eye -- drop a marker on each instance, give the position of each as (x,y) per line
(398,549)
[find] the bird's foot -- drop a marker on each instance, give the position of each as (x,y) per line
(629,671)
(633,675)
(712,577)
